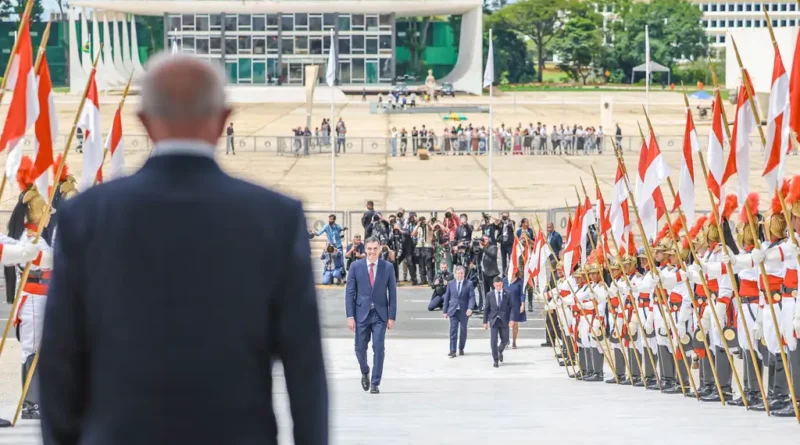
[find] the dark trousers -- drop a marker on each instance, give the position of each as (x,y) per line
(487,284)
(500,329)
(750,382)
(667,364)
(32,396)
(423,258)
(649,372)
(706,375)
(619,363)
(437,302)
(458,330)
(724,372)
(376,328)
(505,251)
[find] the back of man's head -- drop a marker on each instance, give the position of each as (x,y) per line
(183,97)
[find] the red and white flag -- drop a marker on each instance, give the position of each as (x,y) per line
(46,128)
(739,158)
(716,156)
(794,95)
(24,107)
(653,170)
(618,213)
(686,196)
(539,260)
(115,147)
(513,267)
(777,125)
(92,139)
(573,242)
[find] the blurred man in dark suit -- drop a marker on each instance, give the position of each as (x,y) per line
(497,317)
(176,288)
(554,239)
(459,299)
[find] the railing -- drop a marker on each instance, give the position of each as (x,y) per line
(393,146)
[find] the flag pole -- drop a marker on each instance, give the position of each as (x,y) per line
(332,59)
(491,120)
(647,67)
(121,104)
(26,271)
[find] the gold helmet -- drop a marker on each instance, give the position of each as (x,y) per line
(777,223)
(698,233)
(749,210)
(67,185)
(31,206)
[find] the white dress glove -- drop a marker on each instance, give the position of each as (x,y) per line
(706,320)
(633,327)
(758,256)
(721,309)
(694,273)
(569,300)
(597,328)
(649,326)
(681,330)
(728,259)
(758,327)
(587,305)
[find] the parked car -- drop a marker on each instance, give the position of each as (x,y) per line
(448,90)
(400,89)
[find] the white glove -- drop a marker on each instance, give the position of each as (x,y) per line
(660,324)
(552,305)
(668,280)
(569,300)
(601,296)
(649,326)
(597,329)
(694,273)
(681,330)
(613,290)
(706,320)
(587,305)
(721,309)
(29,252)
(623,289)
(796,324)
(758,330)
(758,256)
(633,327)
(728,259)
(47,259)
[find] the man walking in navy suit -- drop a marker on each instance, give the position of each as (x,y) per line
(371,305)
(497,316)
(459,299)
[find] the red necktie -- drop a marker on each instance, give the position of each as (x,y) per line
(372,274)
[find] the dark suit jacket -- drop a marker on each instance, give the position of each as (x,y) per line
(492,313)
(554,239)
(453,299)
(173,291)
(359,294)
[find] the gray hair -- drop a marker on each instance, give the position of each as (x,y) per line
(459,269)
(202,94)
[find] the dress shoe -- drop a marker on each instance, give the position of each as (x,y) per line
(561,363)
(594,378)
(374,390)
(452,354)
(611,381)
(530,307)
(701,392)
(787,411)
(715,396)
(496,365)
(624,381)
(546,344)
(675,389)
(514,345)
(501,357)
(5,423)
(652,384)
(365,382)
(460,352)
(774,405)
(735,402)
(637,382)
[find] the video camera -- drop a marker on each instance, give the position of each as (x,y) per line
(330,248)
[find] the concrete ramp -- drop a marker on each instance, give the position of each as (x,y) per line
(282,94)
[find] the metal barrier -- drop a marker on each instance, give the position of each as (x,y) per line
(393,146)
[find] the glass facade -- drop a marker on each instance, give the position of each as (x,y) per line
(275,48)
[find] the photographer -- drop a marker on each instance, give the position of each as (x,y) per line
(367,217)
(333,231)
(423,250)
(379,228)
(505,237)
(489,227)
(464,230)
(441,244)
(404,250)
(439,286)
(333,265)
(387,254)
(355,251)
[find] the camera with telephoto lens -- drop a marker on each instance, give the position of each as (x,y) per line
(448,215)
(384,248)
(486,216)
(330,248)
(476,247)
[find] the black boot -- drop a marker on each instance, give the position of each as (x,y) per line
(787,411)
(30,411)
(671,387)
(596,377)
(715,396)
(638,382)
(652,383)
(624,381)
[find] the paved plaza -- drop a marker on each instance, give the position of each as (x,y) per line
(428,398)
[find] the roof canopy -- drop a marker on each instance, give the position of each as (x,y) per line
(654,68)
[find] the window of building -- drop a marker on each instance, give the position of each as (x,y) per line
(713,7)
(216,45)
(372,22)
(259,45)
(357,44)
(774,24)
(201,45)
(287,45)
(792,7)
(783,22)
(301,22)
(245,23)
(315,22)
(188,22)
(704,7)
(385,43)
(757,23)
(328,21)
(740,7)
(272,22)
(201,22)
(187,45)
(792,22)
(722,38)
(245,44)
(784,7)
(357,68)
(739,23)
(704,23)
(344,45)
(722,7)
(272,44)
(748,23)
(230,23)
(315,45)
(713,23)
(372,45)
(287,22)
(757,7)
(344,22)
(730,23)
(301,45)
(386,21)
(326,43)
(748,7)
(215,22)
(775,7)
(259,23)
(358,22)
(174,22)
(231,46)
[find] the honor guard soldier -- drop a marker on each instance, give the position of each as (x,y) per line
(663,246)
(701,313)
(30,213)
(630,268)
(644,289)
(617,321)
(679,309)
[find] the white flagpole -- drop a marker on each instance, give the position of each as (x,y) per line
(330,77)
(490,77)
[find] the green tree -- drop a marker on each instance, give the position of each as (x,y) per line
(674,28)
(580,44)
(511,60)
(538,20)
(37,10)
(8,11)
(416,39)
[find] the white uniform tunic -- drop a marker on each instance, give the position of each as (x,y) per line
(33,299)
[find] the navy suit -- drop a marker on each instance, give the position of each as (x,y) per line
(173,291)
(371,306)
(498,316)
(455,306)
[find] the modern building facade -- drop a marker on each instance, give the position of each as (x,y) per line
(723,17)
(269,42)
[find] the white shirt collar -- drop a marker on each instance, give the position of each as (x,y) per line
(370,263)
(191,147)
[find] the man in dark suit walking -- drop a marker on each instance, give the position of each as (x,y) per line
(175,289)
(554,239)
(459,299)
(371,306)
(497,316)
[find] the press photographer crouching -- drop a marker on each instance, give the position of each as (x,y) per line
(439,286)
(333,265)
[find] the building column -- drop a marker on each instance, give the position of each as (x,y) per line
(394,48)
(335,44)
(166,33)
(280,49)
(222,44)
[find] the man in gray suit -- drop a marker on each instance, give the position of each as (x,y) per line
(459,299)
(497,315)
